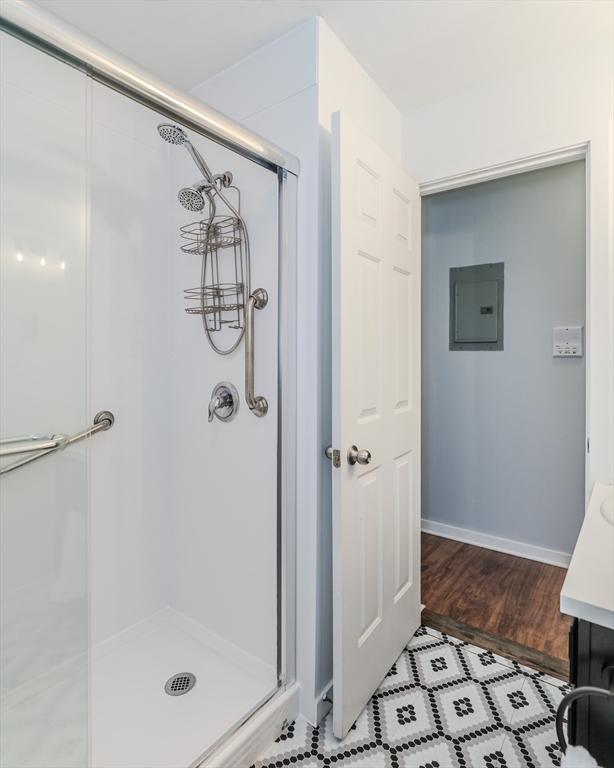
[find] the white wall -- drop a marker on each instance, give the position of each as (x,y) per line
(344,85)
(183,512)
(503,431)
(221,519)
(130,245)
(287,92)
(537,110)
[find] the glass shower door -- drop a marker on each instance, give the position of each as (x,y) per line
(43,370)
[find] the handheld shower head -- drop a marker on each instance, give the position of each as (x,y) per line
(172,133)
(176,135)
(191,198)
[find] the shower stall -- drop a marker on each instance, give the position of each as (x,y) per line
(147,438)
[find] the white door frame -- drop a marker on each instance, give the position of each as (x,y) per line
(523,165)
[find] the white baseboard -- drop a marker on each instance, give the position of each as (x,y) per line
(509,546)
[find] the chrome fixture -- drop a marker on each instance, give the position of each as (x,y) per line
(38,446)
(173,134)
(28,443)
(192,198)
(220,298)
(356,456)
(222,243)
(179,684)
(223,299)
(257,404)
(224,402)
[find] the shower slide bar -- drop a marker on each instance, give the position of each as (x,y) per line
(38,446)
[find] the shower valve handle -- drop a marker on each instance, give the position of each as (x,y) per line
(224,402)
(213,406)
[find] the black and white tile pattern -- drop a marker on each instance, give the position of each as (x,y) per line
(444,704)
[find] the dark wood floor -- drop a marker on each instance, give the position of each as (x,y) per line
(502,595)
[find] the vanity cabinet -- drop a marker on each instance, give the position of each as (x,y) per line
(591,719)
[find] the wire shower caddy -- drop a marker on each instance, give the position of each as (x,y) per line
(223,298)
(222,242)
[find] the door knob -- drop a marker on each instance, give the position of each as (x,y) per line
(356,456)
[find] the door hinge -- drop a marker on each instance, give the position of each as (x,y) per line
(334,455)
(588,445)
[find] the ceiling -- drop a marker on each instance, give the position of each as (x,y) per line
(418,51)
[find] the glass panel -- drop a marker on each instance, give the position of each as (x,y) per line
(183,511)
(43,391)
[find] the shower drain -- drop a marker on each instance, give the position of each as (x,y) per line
(179,684)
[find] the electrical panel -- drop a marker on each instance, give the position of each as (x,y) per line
(476,307)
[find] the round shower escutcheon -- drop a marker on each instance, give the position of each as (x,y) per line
(224,402)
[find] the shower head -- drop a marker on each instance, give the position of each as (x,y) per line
(172,133)
(191,198)
(176,135)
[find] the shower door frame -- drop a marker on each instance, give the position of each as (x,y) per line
(36,27)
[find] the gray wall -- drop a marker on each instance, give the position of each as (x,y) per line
(503,432)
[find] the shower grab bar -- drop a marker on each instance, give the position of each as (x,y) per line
(257,404)
(38,446)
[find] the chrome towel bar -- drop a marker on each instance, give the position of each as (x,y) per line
(38,446)
(26,444)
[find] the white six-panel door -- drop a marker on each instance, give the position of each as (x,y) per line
(376,407)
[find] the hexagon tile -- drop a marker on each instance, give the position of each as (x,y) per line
(444,704)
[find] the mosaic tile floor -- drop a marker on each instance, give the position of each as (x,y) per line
(444,704)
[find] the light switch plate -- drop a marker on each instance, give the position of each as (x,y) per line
(567,341)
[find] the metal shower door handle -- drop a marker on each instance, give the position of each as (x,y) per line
(257,404)
(37,447)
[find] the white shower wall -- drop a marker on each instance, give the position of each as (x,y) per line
(130,239)
(224,475)
(183,512)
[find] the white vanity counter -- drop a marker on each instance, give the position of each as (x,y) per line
(588,590)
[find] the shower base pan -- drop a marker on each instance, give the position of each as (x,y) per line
(136,724)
